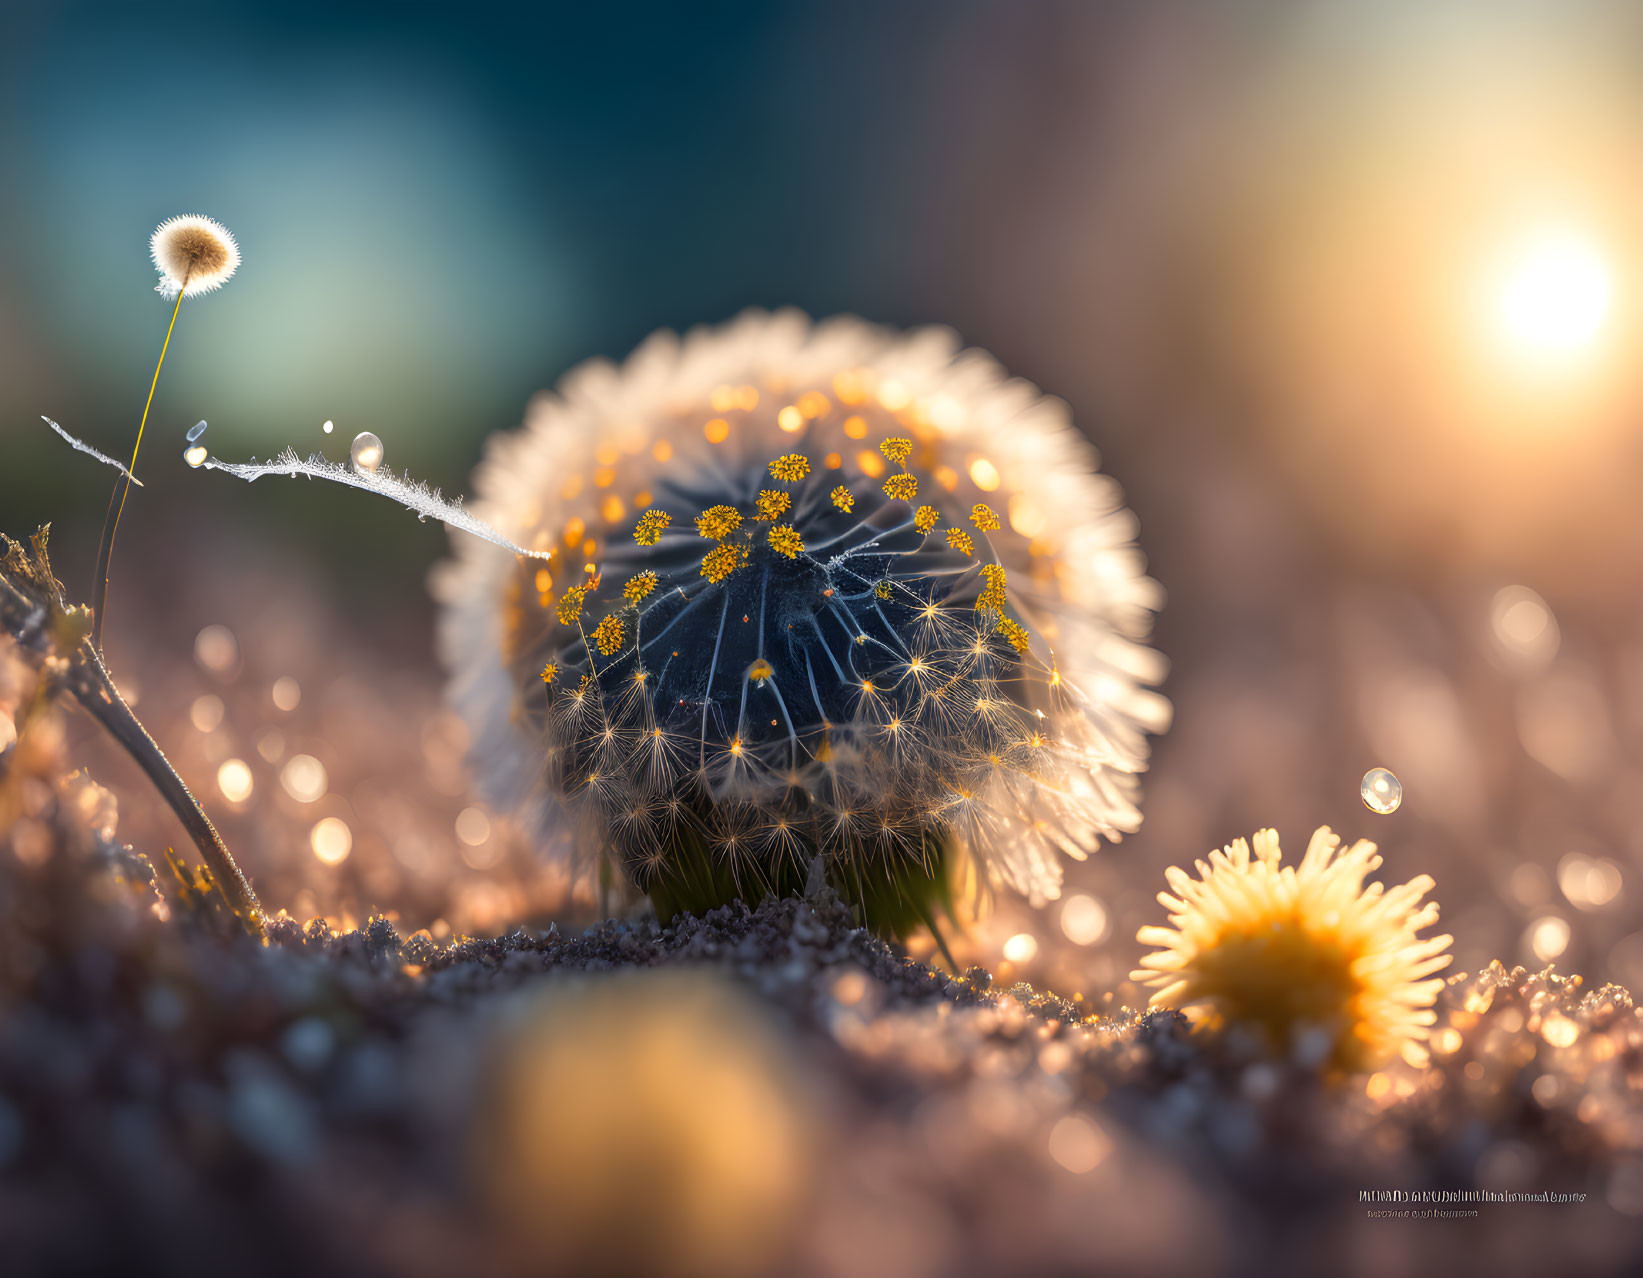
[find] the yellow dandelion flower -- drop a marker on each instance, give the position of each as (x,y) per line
(607,635)
(902,487)
(550,672)
(718,522)
(983,517)
(570,605)
(790,467)
(843,498)
(639,586)
(785,540)
(1015,632)
(723,560)
(993,597)
(897,449)
(1304,956)
(925,517)
(961,541)
(772,504)
(651,526)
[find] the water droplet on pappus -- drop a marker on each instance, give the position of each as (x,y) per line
(366,451)
(195,431)
(328,427)
(196,455)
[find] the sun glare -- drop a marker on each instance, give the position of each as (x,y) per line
(1553,298)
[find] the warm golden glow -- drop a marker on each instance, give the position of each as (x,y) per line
(1553,296)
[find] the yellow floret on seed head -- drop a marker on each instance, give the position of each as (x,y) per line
(993,597)
(897,449)
(961,541)
(903,487)
(1014,632)
(925,517)
(607,635)
(983,517)
(570,605)
(772,504)
(785,540)
(651,525)
(639,586)
(843,498)
(790,467)
(882,590)
(550,672)
(718,522)
(721,561)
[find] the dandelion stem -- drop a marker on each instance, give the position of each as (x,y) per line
(117,501)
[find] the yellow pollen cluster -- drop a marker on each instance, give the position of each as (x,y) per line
(961,541)
(772,504)
(650,527)
(992,597)
(639,586)
(843,498)
(1014,632)
(902,487)
(718,522)
(897,449)
(550,672)
(570,605)
(723,560)
(607,635)
(789,467)
(983,518)
(925,517)
(785,540)
(882,590)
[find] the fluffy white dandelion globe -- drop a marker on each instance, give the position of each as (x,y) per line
(820,590)
(193,255)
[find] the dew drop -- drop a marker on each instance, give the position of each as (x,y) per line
(196,455)
(195,431)
(366,451)
(1382,792)
(328,427)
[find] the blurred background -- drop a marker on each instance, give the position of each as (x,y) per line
(1345,294)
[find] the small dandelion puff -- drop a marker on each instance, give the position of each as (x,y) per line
(772,504)
(550,672)
(639,586)
(193,255)
(721,561)
(608,635)
(569,611)
(652,524)
(982,516)
(820,695)
(901,487)
(785,540)
(1305,957)
(718,522)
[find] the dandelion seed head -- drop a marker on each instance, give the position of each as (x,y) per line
(892,718)
(1299,954)
(193,255)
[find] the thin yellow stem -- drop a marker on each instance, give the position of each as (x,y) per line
(117,502)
